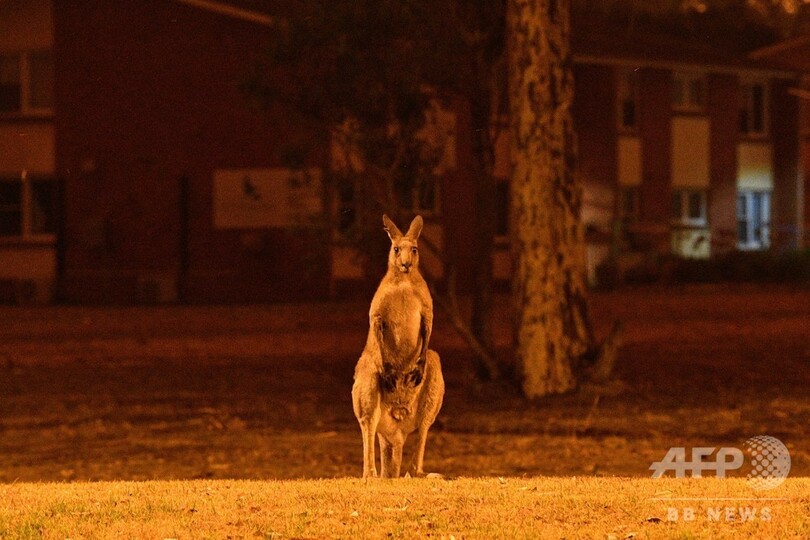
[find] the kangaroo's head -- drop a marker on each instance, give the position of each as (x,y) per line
(404,253)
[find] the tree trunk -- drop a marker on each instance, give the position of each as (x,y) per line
(553,331)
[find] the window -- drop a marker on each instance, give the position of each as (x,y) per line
(502,209)
(10,87)
(689,207)
(628,206)
(426,194)
(27,207)
(26,83)
(418,190)
(688,92)
(753,219)
(10,209)
(752,110)
(40,81)
(346,215)
(628,100)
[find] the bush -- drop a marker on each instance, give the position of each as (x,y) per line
(734,267)
(740,266)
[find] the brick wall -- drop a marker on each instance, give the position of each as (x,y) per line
(148,94)
(722,197)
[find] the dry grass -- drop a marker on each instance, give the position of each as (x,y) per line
(463,508)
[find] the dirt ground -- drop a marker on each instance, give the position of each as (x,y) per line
(177,392)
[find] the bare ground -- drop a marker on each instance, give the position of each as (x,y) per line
(264,391)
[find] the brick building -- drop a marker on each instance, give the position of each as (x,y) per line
(134,169)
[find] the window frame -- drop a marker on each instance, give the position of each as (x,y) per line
(764,220)
(628,217)
(683,217)
(685,80)
(27,109)
(503,195)
(627,89)
(417,191)
(747,97)
(27,197)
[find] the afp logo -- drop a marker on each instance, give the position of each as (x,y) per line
(769,460)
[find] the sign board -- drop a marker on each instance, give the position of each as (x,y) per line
(267,198)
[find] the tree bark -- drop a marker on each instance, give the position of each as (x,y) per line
(553,330)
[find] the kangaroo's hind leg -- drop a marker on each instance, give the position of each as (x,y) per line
(368,427)
(391,457)
(386,457)
(366,403)
(396,459)
(418,460)
(430,403)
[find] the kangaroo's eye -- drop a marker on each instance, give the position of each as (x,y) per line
(413,250)
(396,250)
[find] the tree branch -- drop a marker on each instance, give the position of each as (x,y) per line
(487,364)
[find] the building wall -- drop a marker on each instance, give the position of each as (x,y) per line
(27,265)
(655,131)
(595,119)
(787,221)
(26,24)
(722,196)
(458,203)
(149,107)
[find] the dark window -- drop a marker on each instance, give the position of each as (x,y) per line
(676,206)
(27,207)
(502,225)
(10,86)
(628,204)
(43,206)
(426,193)
(628,113)
(689,207)
(688,92)
(758,106)
(628,96)
(41,80)
(10,208)
(695,205)
(346,205)
(696,92)
(416,189)
(752,109)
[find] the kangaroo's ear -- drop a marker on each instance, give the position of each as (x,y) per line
(393,231)
(416,228)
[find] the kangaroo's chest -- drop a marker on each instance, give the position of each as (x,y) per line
(401,310)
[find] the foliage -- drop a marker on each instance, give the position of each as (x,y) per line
(734,267)
(738,25)
(740,266)
(378,74)
(373,71)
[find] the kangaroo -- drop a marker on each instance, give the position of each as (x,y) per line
(398,384)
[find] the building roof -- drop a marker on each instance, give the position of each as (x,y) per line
(793,54)
(594,43)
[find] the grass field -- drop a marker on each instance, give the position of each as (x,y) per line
(216,421)
(620,508)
